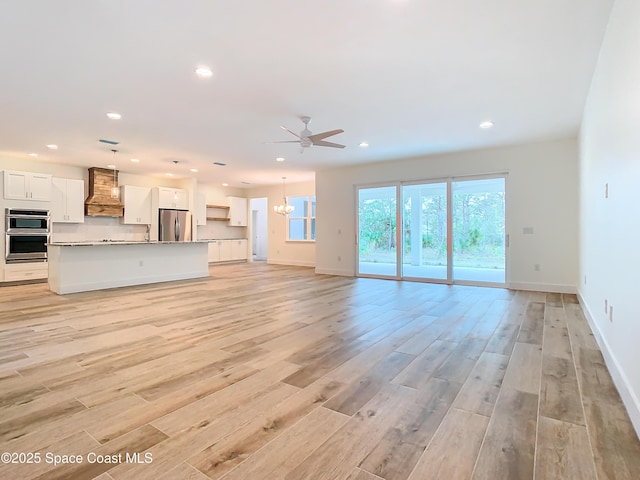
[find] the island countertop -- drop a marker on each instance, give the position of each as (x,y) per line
(118,264)
(92,243)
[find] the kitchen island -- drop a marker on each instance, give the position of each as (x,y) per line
(83,266)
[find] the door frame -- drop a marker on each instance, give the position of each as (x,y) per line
(399,231)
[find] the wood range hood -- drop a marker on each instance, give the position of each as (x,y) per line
(100,203)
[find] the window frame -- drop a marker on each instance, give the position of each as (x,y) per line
(309,217)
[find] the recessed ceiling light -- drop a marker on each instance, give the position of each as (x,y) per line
(220,164)
(225,184)
(194,170)
(203,72)
(169,174)
(486,124)
(111,165)
(280,159)
(52,146)
(33,154)
(135,160)
(114,116)
(364,144)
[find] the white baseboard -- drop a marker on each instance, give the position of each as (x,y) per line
(543,287)
(293,263)
(332,271)
(629,398)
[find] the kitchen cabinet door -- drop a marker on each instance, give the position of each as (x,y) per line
(40,187)
(214,251)
(239,249)
(173,198)
(237,212)
(67,200)
(225,250)
(201,209)
(182,199)
(137,205)
(27,186)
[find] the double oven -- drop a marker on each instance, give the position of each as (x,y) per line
(27,235)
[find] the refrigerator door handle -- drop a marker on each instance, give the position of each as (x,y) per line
(177,229)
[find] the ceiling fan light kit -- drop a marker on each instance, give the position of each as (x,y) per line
(307,139)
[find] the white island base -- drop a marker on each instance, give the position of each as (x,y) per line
(80,267)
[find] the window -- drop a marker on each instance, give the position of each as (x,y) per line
(302,221)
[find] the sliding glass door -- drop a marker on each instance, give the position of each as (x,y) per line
(377,233)
(452,231)
(425,231)
(478,230)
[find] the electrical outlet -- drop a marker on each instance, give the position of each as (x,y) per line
(611,313)
(585,279)
(606,190)
(536,267)
(339,258)
(606,306)
(141,263)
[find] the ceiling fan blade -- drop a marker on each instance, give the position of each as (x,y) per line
(292,133)
(320,136)
(322,143)
(287,141)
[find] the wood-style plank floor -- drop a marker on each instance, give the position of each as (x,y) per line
(272,372)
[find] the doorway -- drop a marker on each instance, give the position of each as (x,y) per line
(259,229)
(452,231)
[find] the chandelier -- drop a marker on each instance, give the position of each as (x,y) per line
(285,208)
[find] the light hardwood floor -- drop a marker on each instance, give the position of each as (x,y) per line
(271,372)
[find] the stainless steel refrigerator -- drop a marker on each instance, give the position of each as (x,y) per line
(174,225)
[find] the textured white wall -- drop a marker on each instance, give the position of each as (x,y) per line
(610,228)
(542,192)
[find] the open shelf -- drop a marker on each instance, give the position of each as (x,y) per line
(218,219)
(226,207)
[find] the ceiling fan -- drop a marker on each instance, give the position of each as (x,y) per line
(306,138)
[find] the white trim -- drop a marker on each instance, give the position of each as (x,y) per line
(542,287)
(293,263)
(334,271)
(620,380)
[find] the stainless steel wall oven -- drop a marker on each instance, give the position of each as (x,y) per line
(27,235)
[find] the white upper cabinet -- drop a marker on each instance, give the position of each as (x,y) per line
(27,186)
(201,209)
(173,198)
(237,212)
(137,205)
(67,200)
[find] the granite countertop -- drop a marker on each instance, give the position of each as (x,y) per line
(116,242)
(216,239)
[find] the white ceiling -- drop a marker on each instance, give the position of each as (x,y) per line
(411,77)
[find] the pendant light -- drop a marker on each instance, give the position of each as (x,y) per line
(115,191)
(285,208)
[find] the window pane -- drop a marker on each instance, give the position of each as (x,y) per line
(299,204)
(313,228)
(313,206)
(297,229)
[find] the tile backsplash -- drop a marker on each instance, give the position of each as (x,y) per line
(95,229)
